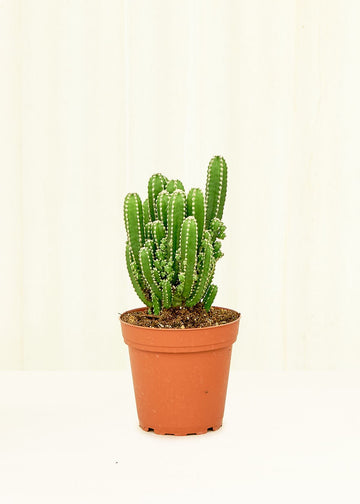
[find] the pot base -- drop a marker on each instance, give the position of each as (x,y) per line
(180,432)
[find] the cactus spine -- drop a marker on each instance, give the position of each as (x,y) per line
(174,240)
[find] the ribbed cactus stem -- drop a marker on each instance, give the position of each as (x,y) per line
(195,206)
(188,254)
(148,230)
(150,245)
(156,304)
(146,212)
(158,232)
(209,297)
(172,185)
(162,204)
(156,184)
(147,271)
(134,223)
(166,294)
(157,276)
(205,275)
(176,215)
(131,267)
(216,183)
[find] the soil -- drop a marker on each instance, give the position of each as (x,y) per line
(182,317)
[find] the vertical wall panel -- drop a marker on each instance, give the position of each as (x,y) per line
(313,274)
(96,97)
(11,265)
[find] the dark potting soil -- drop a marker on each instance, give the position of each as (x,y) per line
(182,317)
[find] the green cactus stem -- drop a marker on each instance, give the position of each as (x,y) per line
(172,185)
(209,297)
(134,223)
(156,303)
(136,283)
(206,268)
(215,193)
(162,204)
(166,294)
(157,276)
(156,184)
(158,232)
(176,215)
(150,245)
(195,206)
(148,230)
(177,299)
(188,254)
(147,271)
(146,212)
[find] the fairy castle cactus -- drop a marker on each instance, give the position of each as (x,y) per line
(174,240)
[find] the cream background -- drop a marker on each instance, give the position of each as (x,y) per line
(95,96)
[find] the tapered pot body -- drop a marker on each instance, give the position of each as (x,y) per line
(180,376)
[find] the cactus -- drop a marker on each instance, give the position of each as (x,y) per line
(158,232)
(162,204)
(134,223)
(135,279)
(188,253)
(146,212)
(166,294)
(206,269)
(156,184)
(174,240)
(176,214)
(172,185)
(195,207)
(210,296)
(216,183)
(148,272)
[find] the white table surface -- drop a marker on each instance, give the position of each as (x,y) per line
(72,437)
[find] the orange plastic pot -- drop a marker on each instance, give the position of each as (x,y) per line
(180,376)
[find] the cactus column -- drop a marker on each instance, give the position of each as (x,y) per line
(173,239)
(216,184)
(134,224)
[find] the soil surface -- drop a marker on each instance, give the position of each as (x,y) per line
(182,317)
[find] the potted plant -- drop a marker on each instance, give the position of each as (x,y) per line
(179,344)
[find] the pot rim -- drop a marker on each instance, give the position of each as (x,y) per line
(186,329)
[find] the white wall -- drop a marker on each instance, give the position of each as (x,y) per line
(95,96)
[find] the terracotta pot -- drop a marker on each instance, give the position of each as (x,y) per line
(180,376)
